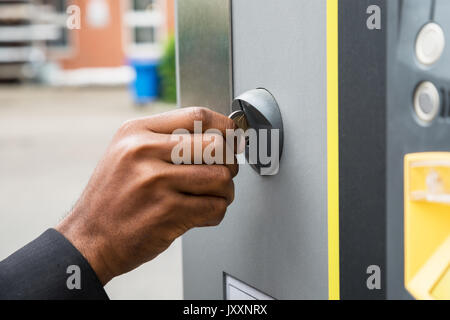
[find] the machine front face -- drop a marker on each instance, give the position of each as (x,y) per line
(355,100)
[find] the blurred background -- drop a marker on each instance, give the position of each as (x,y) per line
(71,71)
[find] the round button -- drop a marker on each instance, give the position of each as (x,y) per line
(426,101)
(430,44)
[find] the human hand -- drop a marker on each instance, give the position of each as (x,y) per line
(138,202)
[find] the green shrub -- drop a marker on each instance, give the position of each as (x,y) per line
(167,73)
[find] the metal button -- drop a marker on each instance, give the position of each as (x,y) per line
(430,44)
(426,101)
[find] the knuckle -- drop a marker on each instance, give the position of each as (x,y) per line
(129,147)
(224,175)
(214,213)
(156,178)
(221,175)
(219,211)
(200,114)
(171,205)
(165,205)
(128,126)
(232,191)
(236,168)
(136,146)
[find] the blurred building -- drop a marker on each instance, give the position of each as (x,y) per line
(23,37)
(35,37)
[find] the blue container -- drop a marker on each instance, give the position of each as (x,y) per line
(145,87)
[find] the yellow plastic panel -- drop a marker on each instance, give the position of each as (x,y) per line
(442,289)
(427,222)
(431,282)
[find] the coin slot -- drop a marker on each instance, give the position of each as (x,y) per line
(263,116)
(444,108)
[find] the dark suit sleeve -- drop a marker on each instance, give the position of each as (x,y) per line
(40,271)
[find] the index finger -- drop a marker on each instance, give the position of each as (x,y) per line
(185,118)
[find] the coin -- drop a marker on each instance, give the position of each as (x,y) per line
(239,119)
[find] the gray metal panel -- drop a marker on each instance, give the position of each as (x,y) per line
(204,54)
(274,236)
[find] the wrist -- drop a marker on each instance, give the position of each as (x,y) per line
(89,245)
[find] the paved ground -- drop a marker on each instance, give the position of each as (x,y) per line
(50,142)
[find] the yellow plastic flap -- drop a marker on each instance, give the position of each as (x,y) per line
(427,224)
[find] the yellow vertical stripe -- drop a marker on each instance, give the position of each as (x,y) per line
(333,148)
